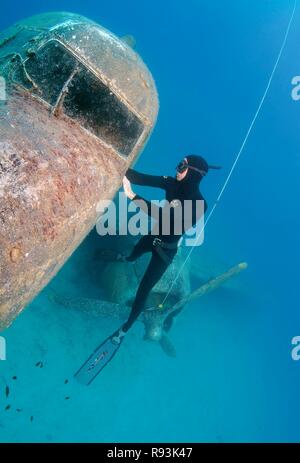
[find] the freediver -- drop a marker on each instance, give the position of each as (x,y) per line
(184,186)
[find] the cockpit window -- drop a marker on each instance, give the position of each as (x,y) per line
(49,69)
(57,74)
(101,112)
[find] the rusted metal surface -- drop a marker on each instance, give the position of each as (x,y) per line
(53,169)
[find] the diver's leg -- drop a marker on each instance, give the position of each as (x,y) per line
(154,272)
(144,245)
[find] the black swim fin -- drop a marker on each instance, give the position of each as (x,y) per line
(98,360)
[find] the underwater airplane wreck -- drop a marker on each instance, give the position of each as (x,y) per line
(117,283)
(80,106)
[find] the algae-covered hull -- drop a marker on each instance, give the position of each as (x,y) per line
(79,108)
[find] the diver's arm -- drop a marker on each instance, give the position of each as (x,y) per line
(155,181)
(151,209)
(147,206)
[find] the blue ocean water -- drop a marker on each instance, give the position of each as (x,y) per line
(233,378)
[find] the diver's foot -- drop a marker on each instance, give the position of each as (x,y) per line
(117,338)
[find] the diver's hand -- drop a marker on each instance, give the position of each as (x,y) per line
(127,188)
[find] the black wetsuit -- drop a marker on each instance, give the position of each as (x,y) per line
(178,192)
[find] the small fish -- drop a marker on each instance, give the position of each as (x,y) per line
(7,407)
(6,391)
(67,398)
(31,419)
(18,409)
(66,381)
(38,364)
(14,377)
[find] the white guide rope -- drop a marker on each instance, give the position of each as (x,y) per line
(241,148)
